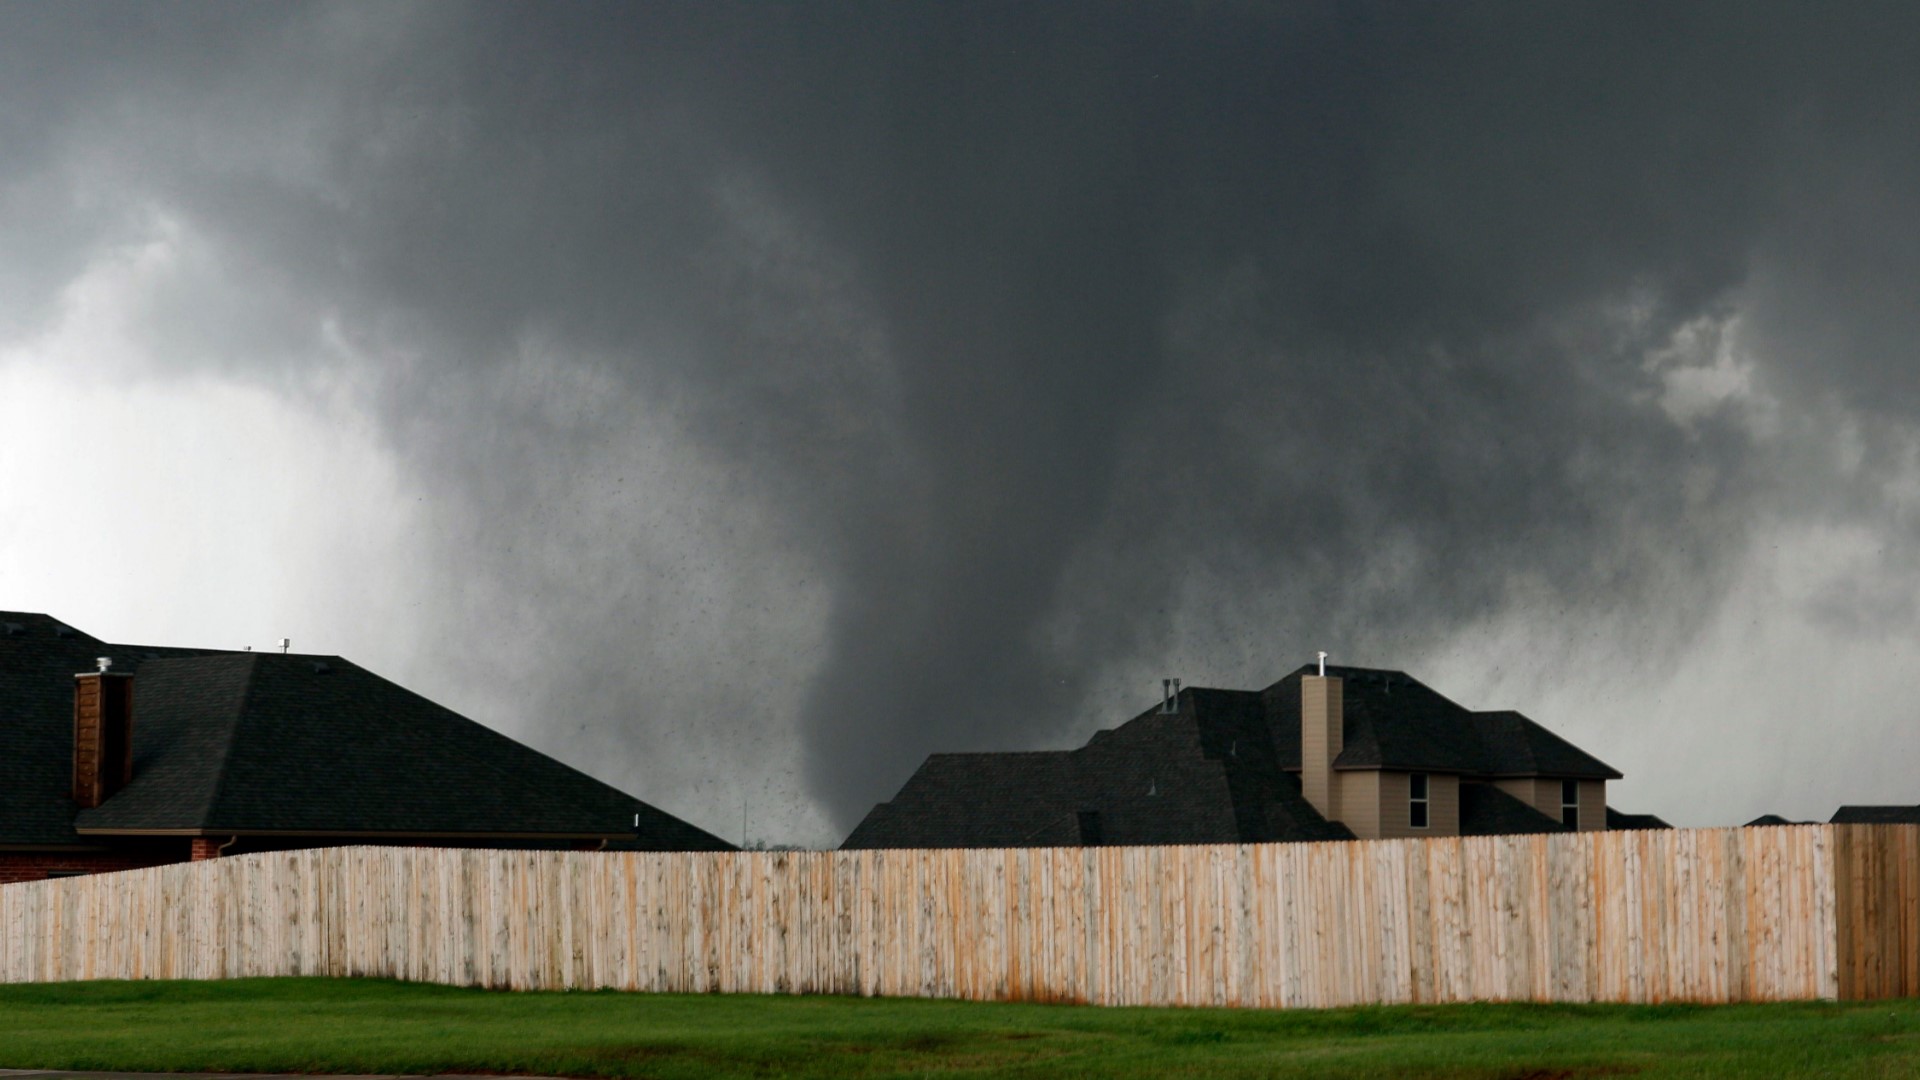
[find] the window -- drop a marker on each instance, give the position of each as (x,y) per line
(1417,800)
(1570,803)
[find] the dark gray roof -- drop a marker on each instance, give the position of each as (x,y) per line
(1618,820)
(1222,768)
(1485,810)
(979,800)
(1772,819)
(38,658)
(1394,721)
(1877,815)
(1205,774)
(260,742)
(1513,745)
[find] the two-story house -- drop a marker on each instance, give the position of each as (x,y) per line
(1325,753)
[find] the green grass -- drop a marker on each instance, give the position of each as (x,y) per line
(363,1026)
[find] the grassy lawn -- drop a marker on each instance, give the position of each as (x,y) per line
(359,1026)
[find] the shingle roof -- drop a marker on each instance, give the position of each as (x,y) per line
(39,656)
(974,800)
(257,742)
(1877,815)
(1222,768)
(1205,774)
(1394,721)
(1772,819)
(1618,820)
(1513,745)
(1485,810)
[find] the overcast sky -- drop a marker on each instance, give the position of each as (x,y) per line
(742,402)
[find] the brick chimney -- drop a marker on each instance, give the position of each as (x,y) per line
(1322,716)
(102,734)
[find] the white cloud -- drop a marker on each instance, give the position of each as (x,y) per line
(188,511)
(1705,370)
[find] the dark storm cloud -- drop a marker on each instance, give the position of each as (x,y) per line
(1024,319)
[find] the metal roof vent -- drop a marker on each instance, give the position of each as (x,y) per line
(1169,696)
(1323,665)
(103,663)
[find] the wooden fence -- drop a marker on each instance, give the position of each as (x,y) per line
(1819,911)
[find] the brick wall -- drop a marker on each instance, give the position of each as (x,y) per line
(134,853)
(33,866)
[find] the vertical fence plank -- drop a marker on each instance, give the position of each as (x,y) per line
(1700,915)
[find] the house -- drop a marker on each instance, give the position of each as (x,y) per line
(118,756)
(1348,753)
(1877,815)
(1617,820)
(1853,815)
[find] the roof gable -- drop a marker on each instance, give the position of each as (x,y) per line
(1395,721)
(39,655)
(261,742)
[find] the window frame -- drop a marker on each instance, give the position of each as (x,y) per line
(1570,807)
(1419,800)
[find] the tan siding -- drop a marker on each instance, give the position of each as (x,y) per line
(1593,805)
(1521,788)
(1395,797)
(1360,802)
(1396,804)
(1444,790)
(1546,796)
(1322,731)
(1543,794)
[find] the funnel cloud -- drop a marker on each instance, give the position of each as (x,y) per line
(743,401)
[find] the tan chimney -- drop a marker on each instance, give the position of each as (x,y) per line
(1322,714)
(102,734)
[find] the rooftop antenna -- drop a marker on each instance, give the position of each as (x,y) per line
(1323,665)
(285,644)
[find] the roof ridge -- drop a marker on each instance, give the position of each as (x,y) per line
(1534,727)
(478,763)
(233,735)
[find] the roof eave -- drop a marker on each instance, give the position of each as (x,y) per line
(1537,774)
(370,833)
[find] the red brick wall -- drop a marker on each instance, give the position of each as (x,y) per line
(33,866)
(133,853)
